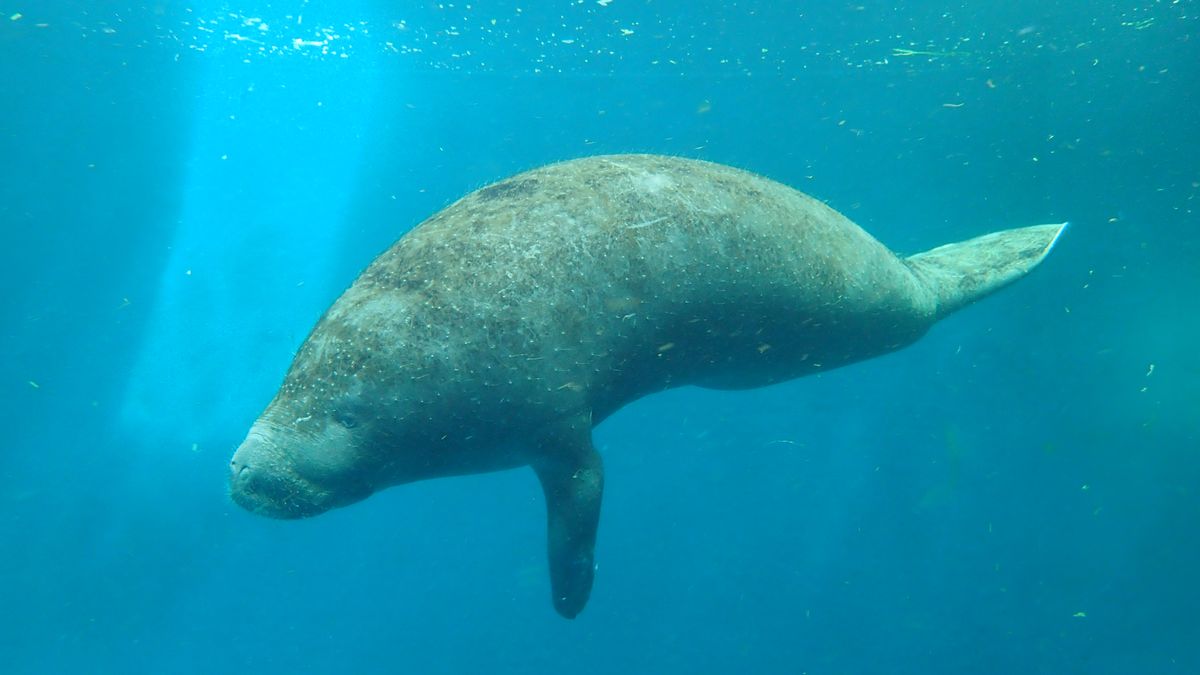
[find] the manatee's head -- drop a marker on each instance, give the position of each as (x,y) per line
(320,443)
(299,468)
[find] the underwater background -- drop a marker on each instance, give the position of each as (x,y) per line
(184,188)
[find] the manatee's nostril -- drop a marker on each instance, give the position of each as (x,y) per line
(236,469)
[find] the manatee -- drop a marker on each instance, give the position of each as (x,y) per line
(498,332)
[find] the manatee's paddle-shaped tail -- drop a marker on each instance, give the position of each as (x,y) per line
(959,274)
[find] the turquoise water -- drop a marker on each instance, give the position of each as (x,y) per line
(185,188)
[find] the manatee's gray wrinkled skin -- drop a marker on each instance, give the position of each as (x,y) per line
(500,331)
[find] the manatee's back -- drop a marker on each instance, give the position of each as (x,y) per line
(593,281)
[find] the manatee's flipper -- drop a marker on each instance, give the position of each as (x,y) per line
(572,477)
(958,274)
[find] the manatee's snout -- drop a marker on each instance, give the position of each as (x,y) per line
(261,481)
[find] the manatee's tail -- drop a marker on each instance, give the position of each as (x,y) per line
(959,274)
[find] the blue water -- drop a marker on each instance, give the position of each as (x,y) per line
(185,188)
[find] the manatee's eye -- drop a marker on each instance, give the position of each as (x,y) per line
(346,418)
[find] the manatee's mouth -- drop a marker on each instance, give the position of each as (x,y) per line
(274,475)
(274,493)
